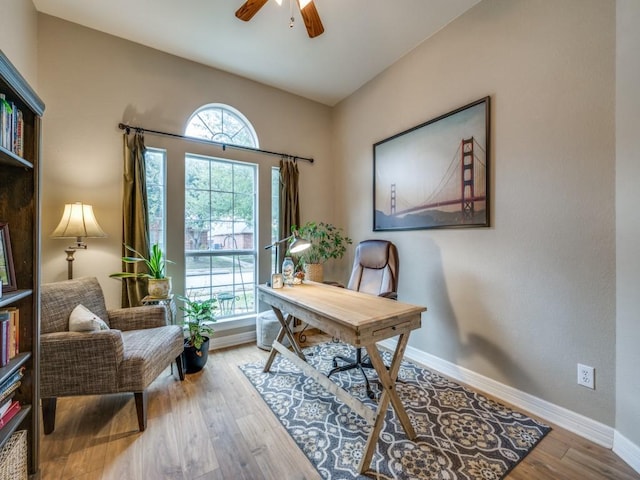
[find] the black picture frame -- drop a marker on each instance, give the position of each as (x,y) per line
(7,272)
(435,175)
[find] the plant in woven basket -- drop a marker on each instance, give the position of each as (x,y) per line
(327,242)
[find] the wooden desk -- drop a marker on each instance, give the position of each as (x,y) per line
(356,318)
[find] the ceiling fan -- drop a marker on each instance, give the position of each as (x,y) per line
(307,9)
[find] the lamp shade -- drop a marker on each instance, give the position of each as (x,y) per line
(78,221)
(299,245)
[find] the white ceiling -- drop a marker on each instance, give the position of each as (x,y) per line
(361,38)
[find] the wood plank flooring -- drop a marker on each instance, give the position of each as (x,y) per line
(215,426)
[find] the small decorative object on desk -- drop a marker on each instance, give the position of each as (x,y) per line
(276,280)
(287,271)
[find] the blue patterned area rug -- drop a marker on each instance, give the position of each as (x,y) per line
(461,434)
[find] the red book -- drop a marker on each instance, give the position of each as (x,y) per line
(10,413)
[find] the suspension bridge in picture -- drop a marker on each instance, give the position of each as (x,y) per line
(460,196)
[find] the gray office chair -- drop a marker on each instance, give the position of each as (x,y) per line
(375,271)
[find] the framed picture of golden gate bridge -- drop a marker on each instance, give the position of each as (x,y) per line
(434,175)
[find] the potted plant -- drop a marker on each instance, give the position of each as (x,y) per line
(327,242)
(159,285)
(197,314)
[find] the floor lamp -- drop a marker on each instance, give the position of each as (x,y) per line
(79,222)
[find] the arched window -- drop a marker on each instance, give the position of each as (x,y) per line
(222,123)
(221,215)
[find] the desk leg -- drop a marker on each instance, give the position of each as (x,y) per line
(285,329)
(389,393)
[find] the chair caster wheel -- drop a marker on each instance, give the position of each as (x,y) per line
(335,364)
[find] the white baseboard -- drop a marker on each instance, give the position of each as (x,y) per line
(579,424)
(626,450)
(232,340)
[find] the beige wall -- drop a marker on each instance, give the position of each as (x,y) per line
(628,221)
(19,37)
(91,81)
(525,300)
(521,302)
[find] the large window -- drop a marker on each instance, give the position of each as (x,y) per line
(220,233)
(220,215)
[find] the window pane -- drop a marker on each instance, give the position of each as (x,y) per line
(155,166)
(221,123)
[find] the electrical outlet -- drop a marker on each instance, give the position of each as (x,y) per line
(586,376)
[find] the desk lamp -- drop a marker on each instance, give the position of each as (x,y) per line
(298,245)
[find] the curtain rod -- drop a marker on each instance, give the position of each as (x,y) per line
(128,128)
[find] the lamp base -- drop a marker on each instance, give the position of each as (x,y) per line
(70,251)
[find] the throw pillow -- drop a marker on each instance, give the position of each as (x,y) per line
(84,320)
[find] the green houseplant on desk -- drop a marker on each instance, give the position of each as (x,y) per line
(327,242)
(196,345)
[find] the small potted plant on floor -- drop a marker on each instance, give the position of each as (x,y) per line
(159,285)
(197,316)
(327,241)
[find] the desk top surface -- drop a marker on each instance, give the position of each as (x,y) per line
(341,305)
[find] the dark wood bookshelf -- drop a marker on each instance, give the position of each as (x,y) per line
(20,209)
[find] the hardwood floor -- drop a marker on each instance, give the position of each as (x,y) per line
(214,425)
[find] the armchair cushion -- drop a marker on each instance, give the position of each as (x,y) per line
(84,320)
(145,355)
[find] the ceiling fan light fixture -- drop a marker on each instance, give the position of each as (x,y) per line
(307,8)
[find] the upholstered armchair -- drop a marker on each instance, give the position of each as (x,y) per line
(125,357)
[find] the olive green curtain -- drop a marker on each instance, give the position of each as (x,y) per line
(289,204)
(135,228)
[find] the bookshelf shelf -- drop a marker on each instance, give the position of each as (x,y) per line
(13,424)
(20,209)
(13,365)
(11,159)
(8,298)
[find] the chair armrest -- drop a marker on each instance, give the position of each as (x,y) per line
(391,295)
(138,318)
(79,363)
(83,347)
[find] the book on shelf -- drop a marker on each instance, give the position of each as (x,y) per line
(11,383)
(11,126)
(10,391)
(10,413)
(5,404)
(5,321)
(9,334)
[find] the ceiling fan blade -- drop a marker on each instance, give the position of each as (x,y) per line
(311,19)
(249,9)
